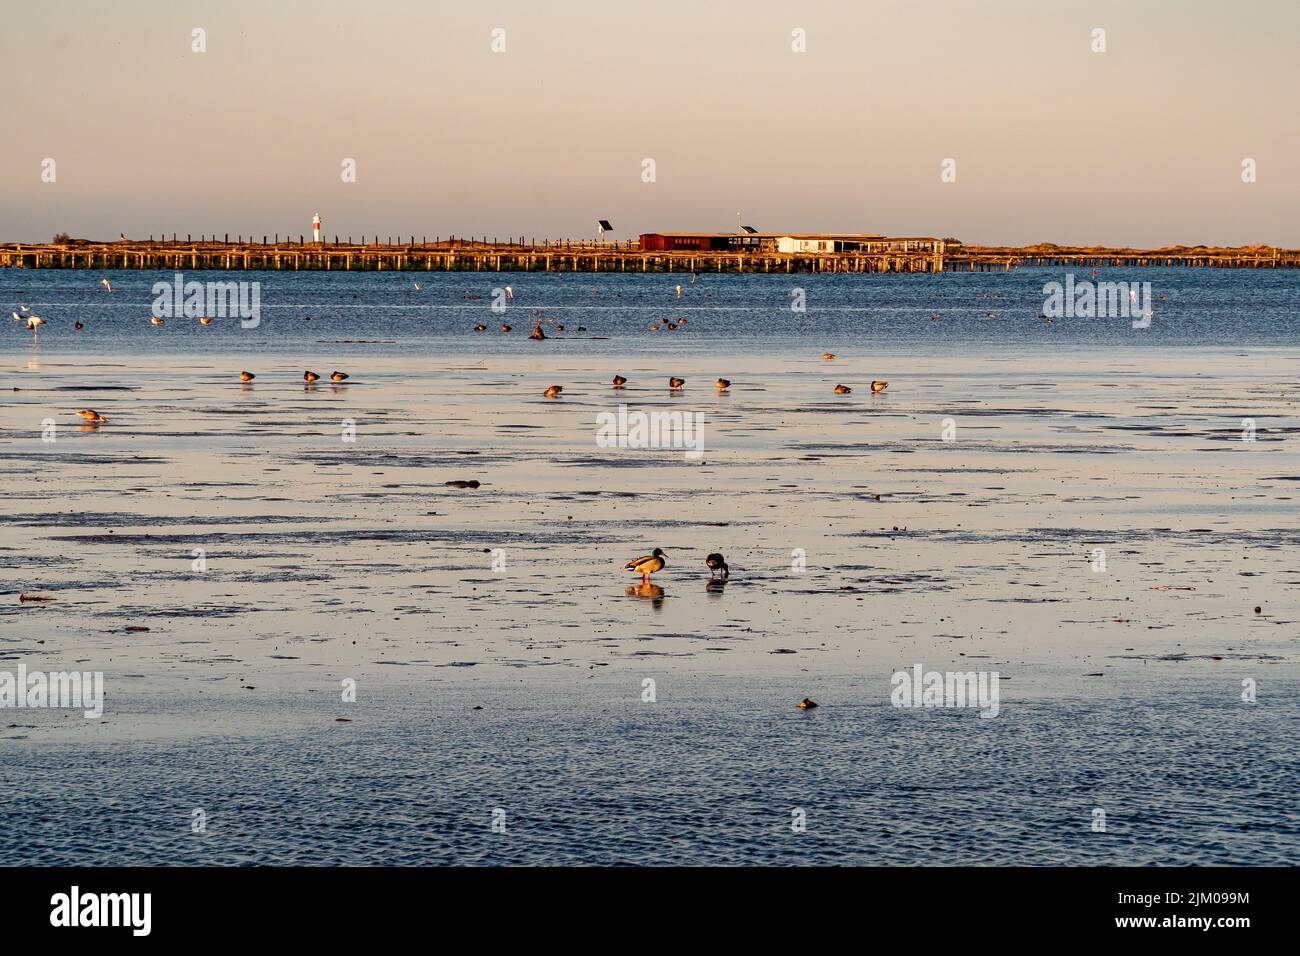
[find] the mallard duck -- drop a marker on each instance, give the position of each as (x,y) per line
(672,326)
(878,387)
(537,332)
(338,376)
(505,329)
(723,384)
(843,390)
(480,328)
(654,328)
(647,565)
(717,562)
(554,391)
(619,381)
(309,377)
(78,326)
(157,321)
(246,376)
(205,320)
(807,704)
(92,416)
(828,356)
(676,382)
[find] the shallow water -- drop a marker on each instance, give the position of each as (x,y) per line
(329,559)
(327,313)
(708,774)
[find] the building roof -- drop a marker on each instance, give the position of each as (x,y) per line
(770,235)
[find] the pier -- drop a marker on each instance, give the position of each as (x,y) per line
(550,255)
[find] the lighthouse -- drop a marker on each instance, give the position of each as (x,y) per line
(315,228)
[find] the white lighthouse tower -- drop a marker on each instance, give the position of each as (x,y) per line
(315,228)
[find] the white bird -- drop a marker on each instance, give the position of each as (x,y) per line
(679,292)
(17,317)
(106,284)
(417,286)
(34,323)
(510,293)
(24,308)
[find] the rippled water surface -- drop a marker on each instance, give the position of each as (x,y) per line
(1206,307)
(1104,516)
(1186,773)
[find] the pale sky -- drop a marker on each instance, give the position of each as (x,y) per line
(1140,145)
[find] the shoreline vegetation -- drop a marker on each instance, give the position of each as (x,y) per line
(547,255)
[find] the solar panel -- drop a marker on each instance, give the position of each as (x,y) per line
(604,224)
(749,229)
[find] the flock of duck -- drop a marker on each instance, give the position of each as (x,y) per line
(308,376)
(95,418)
(676,383)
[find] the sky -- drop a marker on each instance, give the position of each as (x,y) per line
(1142,144)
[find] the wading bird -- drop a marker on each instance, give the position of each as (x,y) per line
(676,382)
(647,565)
(878,387)
(554,391)
(619,381)
(338,376)
(92,416)
(309,377)
(828,356)
(246,376)
(723,384)
(717,562)
(843,390)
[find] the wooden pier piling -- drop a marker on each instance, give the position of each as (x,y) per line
(454,255)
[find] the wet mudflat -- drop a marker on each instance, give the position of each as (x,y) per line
(1090,525)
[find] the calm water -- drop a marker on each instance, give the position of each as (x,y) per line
(1193,307)
(709,774)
